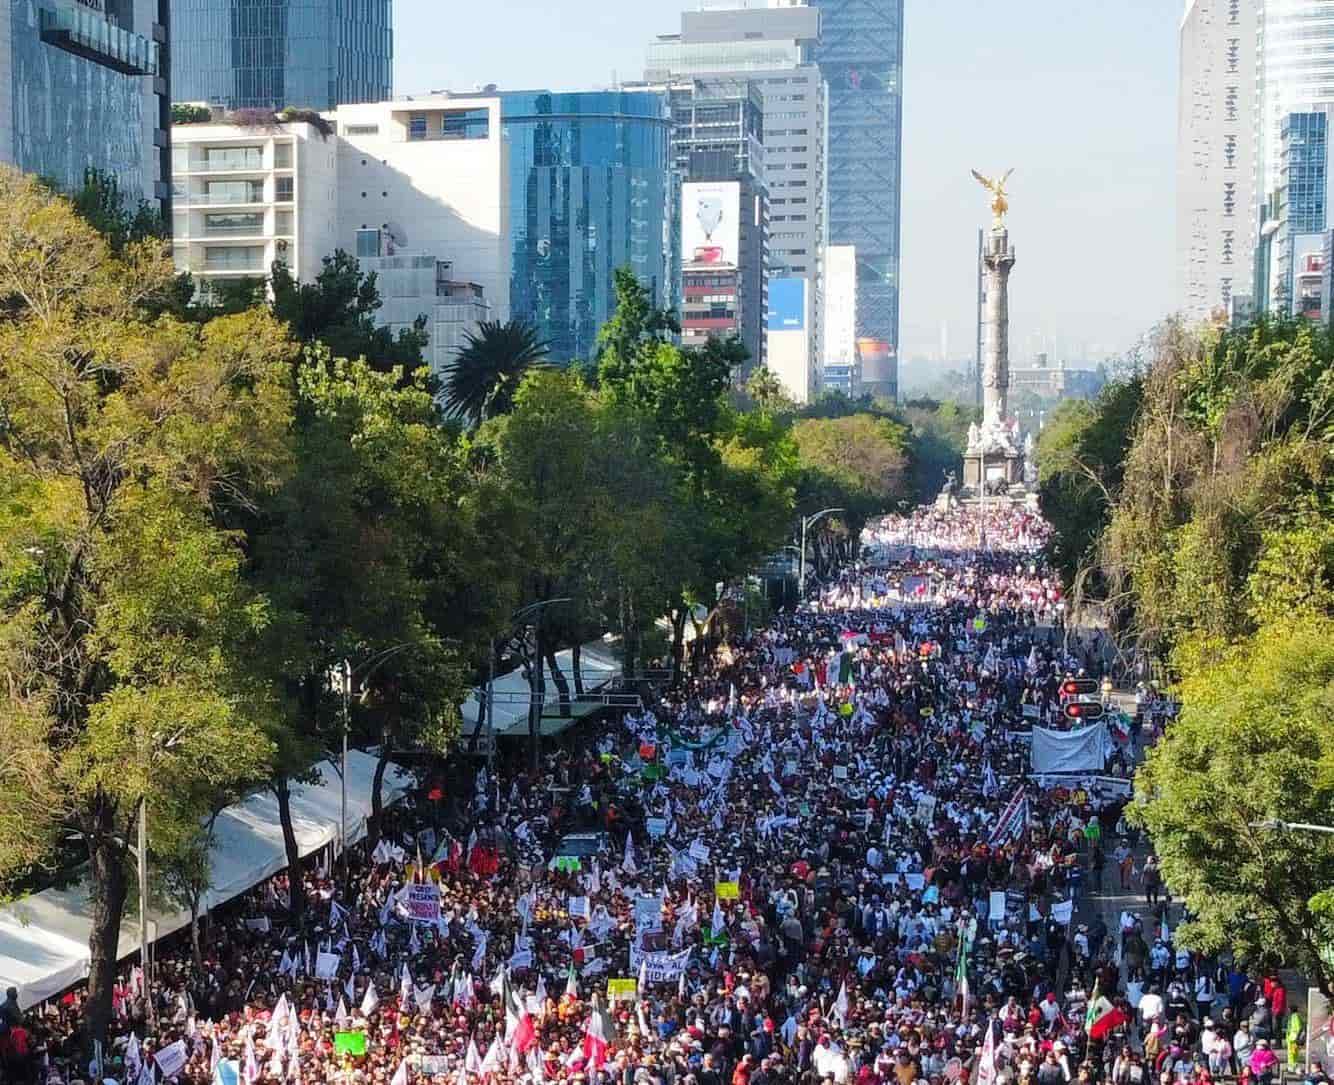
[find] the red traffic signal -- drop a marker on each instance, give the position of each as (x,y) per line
(1075,687)
(1083,710)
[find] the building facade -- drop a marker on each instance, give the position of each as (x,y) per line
(860,55)
(268,54)
(247,198)
(789,334)
(590,192)
(84,85)
(423,201)
(842,365)
(770,45)
(1296,217)
(1216,147)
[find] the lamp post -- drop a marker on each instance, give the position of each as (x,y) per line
(1276,826)
(365,668)
(806,523)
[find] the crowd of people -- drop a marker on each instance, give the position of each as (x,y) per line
(823,859)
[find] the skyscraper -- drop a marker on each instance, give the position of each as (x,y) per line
(589,193)
(83,85)
(267,54)
(1216,137)
(860,54)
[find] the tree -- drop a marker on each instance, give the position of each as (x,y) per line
(858,463)
(634,332)
(124,443)
(938,441)
(1253,742)
(484,377)
(347,550)
(768,392)
(338,309)
(101,203)
(1080,457)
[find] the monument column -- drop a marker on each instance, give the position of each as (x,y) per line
(998,260)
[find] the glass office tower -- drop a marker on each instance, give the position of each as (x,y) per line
(860,55)
(83,86)
(589,193)
(267,54)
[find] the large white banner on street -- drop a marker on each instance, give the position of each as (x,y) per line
(1070,751)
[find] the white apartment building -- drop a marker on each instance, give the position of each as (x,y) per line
(423,200)
(245,198)
(1217,169)
(842,367)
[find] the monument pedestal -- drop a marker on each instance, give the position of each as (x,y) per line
(992,467)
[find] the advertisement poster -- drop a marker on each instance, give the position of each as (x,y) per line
(711,224)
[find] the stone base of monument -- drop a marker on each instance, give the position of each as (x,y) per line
(993,467)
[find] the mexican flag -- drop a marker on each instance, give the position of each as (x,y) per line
(519,1031)
(598,1034)
(1102,1016)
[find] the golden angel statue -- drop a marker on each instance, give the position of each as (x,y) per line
(996,186)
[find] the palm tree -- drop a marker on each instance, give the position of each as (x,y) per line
(489,368)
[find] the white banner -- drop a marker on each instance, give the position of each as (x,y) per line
(423,903)
(660,967)
(171,1059)
(1070,751)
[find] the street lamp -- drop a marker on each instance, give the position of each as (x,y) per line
(365,668)
(518,618)
(806,523)
(1274,825)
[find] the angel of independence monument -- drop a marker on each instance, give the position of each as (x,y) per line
(995,458)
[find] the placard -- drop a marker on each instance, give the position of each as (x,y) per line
(998,904)
(171,1059)
(1031,711)
(623,989)
(1062,911)
(699,851)
(657,827)
(925,814)
(434,1065)
(677,757)
(727,890)
(326,965)
(227,1072)
(349,1043)
(648,914)
(577,907)
(840,772)
(423,903)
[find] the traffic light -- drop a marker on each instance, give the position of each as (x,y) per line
(1076,687)
(1083,710)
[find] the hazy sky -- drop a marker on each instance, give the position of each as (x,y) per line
(1079,97)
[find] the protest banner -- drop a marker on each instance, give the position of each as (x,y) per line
(1062,911)
(227,1072)
(434,1065)
(840,772)
(577,907)
(350,1043)
(648,914)
(171,1059)
(657,827)
(326,965)
(521,960)
(660,967)
(925,814)
(699,851)
(997,911)
(423,903)
(727,890)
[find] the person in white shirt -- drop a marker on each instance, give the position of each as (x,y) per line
(1150,1006)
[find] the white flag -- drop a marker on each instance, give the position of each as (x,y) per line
(370,1000)
(401,1074)
(841,1005)
(341,1017)
(472,1061)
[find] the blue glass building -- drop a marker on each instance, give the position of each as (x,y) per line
(83,86)
(267,54)
(589,192)
(860,56)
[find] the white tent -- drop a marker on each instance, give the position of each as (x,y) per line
(598,666)
(44,937)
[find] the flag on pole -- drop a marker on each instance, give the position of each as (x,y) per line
(519,1031)
(719,923)
(401,1074)
(842,1005)
(492,1064)
(572,985)
(986,1065)
(370,1000)
(598,1034)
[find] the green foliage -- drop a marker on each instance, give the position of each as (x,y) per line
(484,377)
(182,113)
(634,332)
(858,463)
(1220,518)
(766,391)
(125,444)
(338,309)
(1080,456)
(1253,743)
(101,203)
(939,440)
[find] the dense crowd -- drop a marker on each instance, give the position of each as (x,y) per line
(823,859)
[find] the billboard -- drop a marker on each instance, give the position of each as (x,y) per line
(787,305)
(711,224)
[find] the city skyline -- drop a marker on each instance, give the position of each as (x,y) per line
(1097,162)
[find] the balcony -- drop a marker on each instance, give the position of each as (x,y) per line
(89,34)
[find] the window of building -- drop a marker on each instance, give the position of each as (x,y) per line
(417,126)
(361,129)
(798,218)
(234,192)
(233,158)
(282,156)
(238,222)
(283,188)
(235,258)
(180,159)
(368,243)
(283,223)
